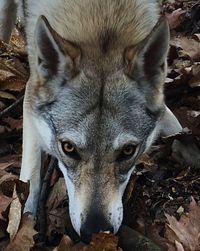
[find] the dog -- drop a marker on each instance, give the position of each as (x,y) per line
(94,99)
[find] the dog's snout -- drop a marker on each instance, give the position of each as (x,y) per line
(94,224)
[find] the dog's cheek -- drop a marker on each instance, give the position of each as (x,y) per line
(116,206)
(75,206)
(116,213)
(45,134)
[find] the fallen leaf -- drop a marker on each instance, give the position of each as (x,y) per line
(179,246)
(5,74)
(14,215)
(55,176)
(99,242)
(4,129)
(7,95)
(186,231)
(13,85)
(65,243)
(195,81)
(175,18)
(5,165)
(189,47)
(4,203)
(103,241)
(13,74)
(14,123)
(57,195)
(2,106)
(196,36)
(6,176)
(23,241)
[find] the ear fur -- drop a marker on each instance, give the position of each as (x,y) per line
(147,64)
(54,54)
(148,59)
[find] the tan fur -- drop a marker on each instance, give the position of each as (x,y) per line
(84,21)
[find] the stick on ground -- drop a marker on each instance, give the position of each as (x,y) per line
(42,201)
(8,109)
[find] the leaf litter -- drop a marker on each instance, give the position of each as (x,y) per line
(158,199)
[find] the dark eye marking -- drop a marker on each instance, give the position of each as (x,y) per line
(70,150)
(127,152)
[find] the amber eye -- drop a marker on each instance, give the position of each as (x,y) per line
(67,147)
(70,150)
(129,150)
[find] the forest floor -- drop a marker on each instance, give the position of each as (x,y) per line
(162,200)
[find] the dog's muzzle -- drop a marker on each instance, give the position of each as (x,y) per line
(94,224)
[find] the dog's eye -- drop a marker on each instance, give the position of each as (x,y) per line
(127,152)
(68,147)
(70,150)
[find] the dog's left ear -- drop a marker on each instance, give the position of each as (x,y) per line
(148,59)
(54,54)
(147,63)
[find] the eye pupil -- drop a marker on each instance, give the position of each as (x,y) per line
(128,150)
(68,147)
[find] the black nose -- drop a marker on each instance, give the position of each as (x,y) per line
(94,224)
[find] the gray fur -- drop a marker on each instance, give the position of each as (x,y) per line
(97,75)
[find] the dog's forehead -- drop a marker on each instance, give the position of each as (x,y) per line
(98,110)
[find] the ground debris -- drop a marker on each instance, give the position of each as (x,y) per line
(158,198)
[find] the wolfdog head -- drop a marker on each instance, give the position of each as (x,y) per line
(97,111)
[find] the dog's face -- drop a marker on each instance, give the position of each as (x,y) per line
(97,122)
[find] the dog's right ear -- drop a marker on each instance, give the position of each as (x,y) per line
(54,54)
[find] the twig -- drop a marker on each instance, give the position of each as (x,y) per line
(42,201)
(8,109)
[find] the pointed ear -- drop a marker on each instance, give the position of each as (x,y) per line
(148,60)
(54,54)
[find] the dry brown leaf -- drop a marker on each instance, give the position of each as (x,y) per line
(99,242)
(196,36)
(179,246)
(5,165)
(65,243)
(2,106)
(14,123)
(186,231)
(4,203)
(103,241)
(14,215)
(130,188)
(13,84)
(55,176)
(175,18)
(190,47)
(5,177)
(5,74)
(13,160)
(195,81)
(57,195)
(23,241)
(18,39)
(13,75)
(4,129)
(7,95)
